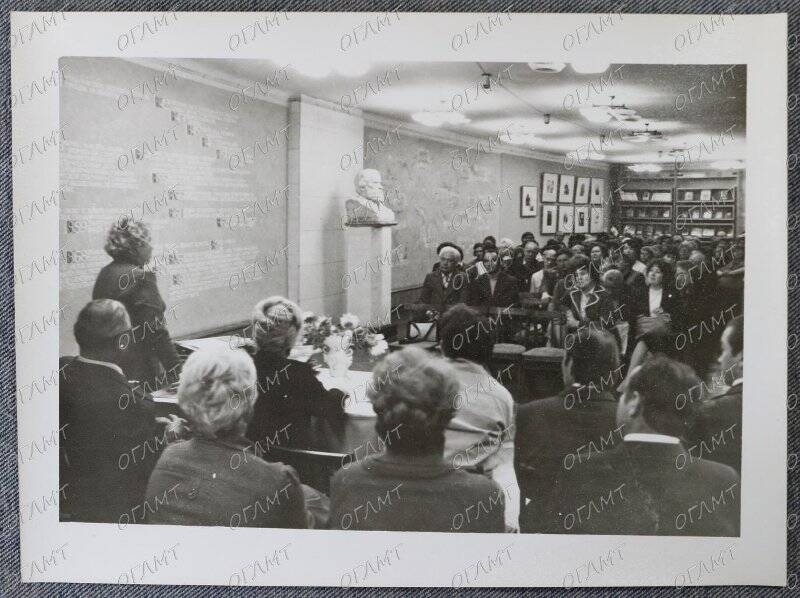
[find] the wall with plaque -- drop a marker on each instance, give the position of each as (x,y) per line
(207,174)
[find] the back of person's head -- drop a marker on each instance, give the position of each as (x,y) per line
(578,262)
(413,393)
(276,322)
(217,392)
(664,386)
(612,279)
(465,334)
(489,239)
(593,357)
(102,326)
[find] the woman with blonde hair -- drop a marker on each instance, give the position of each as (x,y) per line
(289,393)
(214,478)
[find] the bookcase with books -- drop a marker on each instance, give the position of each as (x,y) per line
(701,204)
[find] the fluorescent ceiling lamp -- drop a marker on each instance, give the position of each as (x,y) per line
(351,66)
(645,168)
(727,165)
(435,119)
(547,67)
(595,115)
(519,138)
(310,67)
(596,156)
(590,65)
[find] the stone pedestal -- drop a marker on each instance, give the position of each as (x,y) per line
(368,277)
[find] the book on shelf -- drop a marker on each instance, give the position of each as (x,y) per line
(629,196)
(662,196)
(645,196)
(705,195)
(688,196)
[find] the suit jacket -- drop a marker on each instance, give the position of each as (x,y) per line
(219,482)
(600,308)
(720,428)
(506,291)
(641,488)
(105,460)
(152,347)
(523,272)
(289,394)
(434,293)
(640,302)
(416,494)
(551,431)
(543,281)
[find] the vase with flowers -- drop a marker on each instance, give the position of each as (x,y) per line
(341,341)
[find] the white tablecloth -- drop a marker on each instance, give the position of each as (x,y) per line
(355,385)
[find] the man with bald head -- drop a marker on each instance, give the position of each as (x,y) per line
(103,421)
(447,285)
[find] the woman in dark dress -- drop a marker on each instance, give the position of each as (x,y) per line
(152,359)
(289,393)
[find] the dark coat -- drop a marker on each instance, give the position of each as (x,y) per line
(220,482)
(600,308)
(640,302)
(720,428)
(151,346)
(641,488)
(553,433)
(434,293)
(506,291)
(289,394)
(523,272)
(415,494)
(103,421)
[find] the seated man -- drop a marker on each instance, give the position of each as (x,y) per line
(111,437)
(447,285)
(579,423)
(721,416)
(495,288)
(543,282)
(648,484)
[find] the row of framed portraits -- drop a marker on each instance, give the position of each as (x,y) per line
(561,189)
(572,219)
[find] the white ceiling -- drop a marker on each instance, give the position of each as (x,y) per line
(525,96)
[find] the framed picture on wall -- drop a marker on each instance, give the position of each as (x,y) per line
(581,219)
(566,188)
(582,189)
(549,188)
(596,221)
(566,219)
(549,219)
(598,191)
(528,202)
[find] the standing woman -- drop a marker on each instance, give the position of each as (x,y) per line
(127,280)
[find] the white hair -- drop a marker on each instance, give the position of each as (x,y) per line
(505,242)
(217,391)
(447,249)
(276,323)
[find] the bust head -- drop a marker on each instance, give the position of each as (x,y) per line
(368,184)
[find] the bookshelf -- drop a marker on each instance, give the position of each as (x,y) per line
(700,204)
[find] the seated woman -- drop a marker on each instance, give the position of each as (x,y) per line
(214,479)
(480,437)
(289,393)
(656,305)
(410,486)
(585,301)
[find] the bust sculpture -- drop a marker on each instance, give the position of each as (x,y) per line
(369,207)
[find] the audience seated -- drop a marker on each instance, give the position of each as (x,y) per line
(447,285)
(480,437)
(649,483)
(410,486)
(289,394)
(102,421)
(496,288)
(565,430)
(215,478)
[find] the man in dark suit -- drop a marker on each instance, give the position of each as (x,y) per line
(447,285)
(111,436)
(573,427)
(495,288)
(648,484)
(720,417)
(530,263)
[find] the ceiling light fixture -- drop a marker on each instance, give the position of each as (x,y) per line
(644,168)
(727,165)
(646,136)
(438,118)
(547,67)
(590,65)
(595,114)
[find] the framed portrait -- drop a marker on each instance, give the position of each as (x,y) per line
(566,188)
(596,220)
(549,188)
(549,219)
(528,202)
(581,219)
(566,219)
(582,190)
(598,191)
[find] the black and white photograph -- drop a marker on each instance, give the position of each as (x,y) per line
(298,302)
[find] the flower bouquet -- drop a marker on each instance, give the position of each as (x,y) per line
(339,342)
